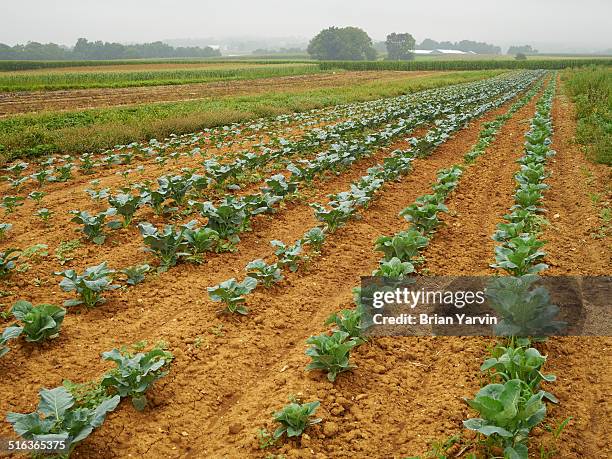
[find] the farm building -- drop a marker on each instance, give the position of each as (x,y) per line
(441,51)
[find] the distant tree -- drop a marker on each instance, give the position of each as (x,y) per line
(348,43)
(525,49)
(400,46)
(477,47)
(380,47)
(6,52)
(520,57)
(429,44)
(447,45)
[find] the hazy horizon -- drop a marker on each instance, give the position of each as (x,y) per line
(553,26)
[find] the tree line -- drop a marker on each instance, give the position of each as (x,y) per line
(466,46)
(353,43)
(98,50)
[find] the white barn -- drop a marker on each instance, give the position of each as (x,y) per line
(440,51)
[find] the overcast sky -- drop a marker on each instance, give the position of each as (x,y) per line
(585,23)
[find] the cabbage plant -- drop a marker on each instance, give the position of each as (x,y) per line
(58,418)
(89,286)
(295,418)
(40,322)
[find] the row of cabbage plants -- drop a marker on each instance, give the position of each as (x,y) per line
(514,402)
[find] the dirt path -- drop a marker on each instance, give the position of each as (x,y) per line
(583,365)
(584,380)
(36,101)
(573,218)
(464,245)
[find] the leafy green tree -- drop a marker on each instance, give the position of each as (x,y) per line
(429,44)
(520,57)
(348,43)
(400,46)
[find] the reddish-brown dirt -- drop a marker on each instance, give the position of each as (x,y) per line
(478,204)
(13,103)
(230,373)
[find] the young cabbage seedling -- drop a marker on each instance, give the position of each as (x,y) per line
(507,417)
(44,214)
(17,169)
(525,310)
(135,274)
(87,163)
(43,176)
(168,245)
(135,374)
(93,225)
(288,256)
(232,294)
(447,180)
(315,237)
(423,214)
(404,245)
(64,173)
(201,240)
(228,218)
(264,273)
(4,228)
(40,322)
(17,183)
(278,186)
(336,216)
(507,231)
(520,255)
(519,363)
(37,196)
(89,286)
(98,195)
(394,268)
(7,261)
(260,203)
(126,205)
(176,187)
(331,353)
(9,203)
(348,321)
(295,418)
